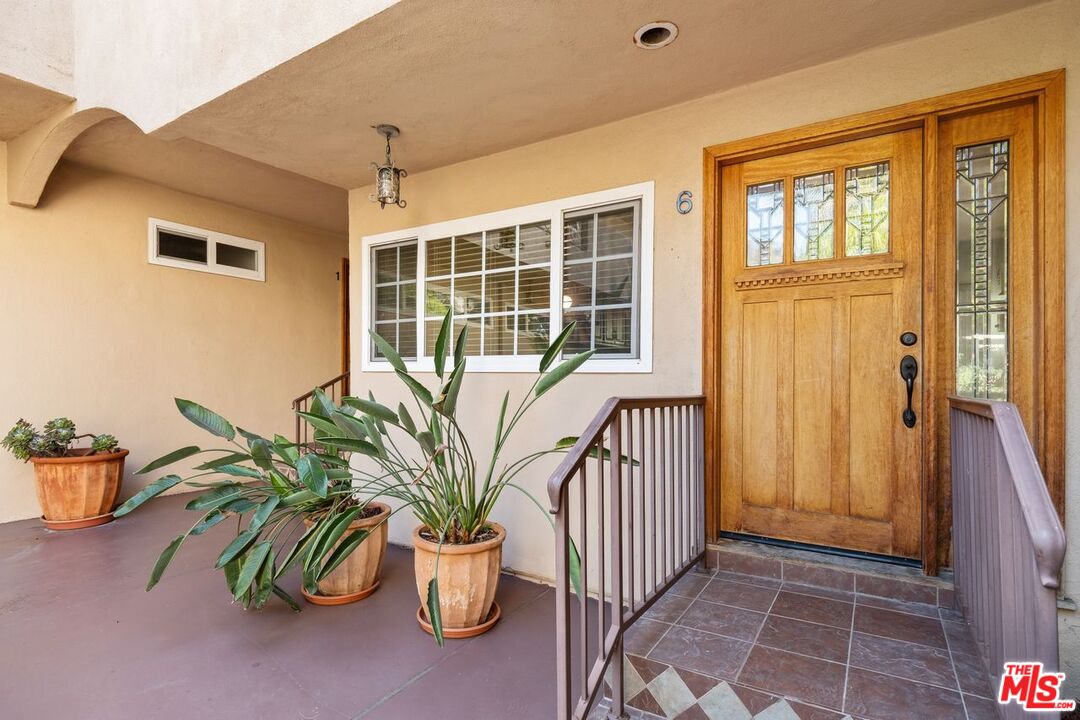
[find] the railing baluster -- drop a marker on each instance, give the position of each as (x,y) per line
(651,516)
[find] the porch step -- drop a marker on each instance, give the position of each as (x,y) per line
(832,572)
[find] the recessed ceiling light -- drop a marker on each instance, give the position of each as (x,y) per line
(655,35)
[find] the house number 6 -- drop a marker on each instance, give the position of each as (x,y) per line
(685,202)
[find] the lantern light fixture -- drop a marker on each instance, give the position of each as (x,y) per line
(387,176)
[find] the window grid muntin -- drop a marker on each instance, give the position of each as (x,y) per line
(483,274)
(595,259)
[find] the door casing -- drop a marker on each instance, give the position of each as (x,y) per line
(1046,92)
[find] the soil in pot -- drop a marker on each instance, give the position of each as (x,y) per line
(78,490)
(468,579)
(358,576)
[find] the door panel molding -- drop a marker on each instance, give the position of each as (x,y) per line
(1047,345)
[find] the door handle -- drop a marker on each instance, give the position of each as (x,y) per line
(909,370)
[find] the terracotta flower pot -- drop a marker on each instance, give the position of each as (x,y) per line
(358,575)
(78,490)
(468,579)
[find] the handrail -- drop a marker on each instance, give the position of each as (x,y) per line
(338,387)
(1008,541)
(578,454)
(632,530)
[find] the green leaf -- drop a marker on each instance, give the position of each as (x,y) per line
(206,419)
(502,418)
(336,528)
(232,574)
(313,475)
(387,351)
(448,403)
(249,436)
(321,403)
(239,471)
(419,391)
(286,449)
(163,561)
(239,506)
(575,569)
(252,563)
(259,517)
(287,598)
(216,497)
(348,425)
(406,419)
(265,580)
(153,489)
(210,521)
(239,544)
(459,348)
(280,483)
(434,611)
(570,440)
(169,459)
(349,445)
(374,409)
(262,454)
(343,550)
(230,459)
(332,460)
(427,442)
(297,497)
(319,422)
(296,550)
(441,343)
(556,347)
(561,372)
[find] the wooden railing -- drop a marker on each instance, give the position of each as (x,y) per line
(336,388)
(636,525)
(1007,538)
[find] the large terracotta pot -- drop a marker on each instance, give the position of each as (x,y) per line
(78,490)
(468,579)
(358,576)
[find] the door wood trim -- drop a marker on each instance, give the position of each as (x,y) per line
(1047,91)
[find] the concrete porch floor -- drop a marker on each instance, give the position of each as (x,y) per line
(83,640)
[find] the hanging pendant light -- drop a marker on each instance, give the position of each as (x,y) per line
(387,177)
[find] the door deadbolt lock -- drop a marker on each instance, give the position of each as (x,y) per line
(908,339)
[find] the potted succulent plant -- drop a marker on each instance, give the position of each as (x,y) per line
(292,505)
(458,549)
(76,487)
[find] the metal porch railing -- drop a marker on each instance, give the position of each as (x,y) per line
(336,388)
(1008,542)
(636,522)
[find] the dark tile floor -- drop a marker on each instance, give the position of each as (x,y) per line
(728,645)
(82,640)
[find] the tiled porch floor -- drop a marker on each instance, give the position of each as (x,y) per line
(729,645)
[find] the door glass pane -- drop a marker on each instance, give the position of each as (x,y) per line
(982,265)
(765,224)
(814,201)
(866,194)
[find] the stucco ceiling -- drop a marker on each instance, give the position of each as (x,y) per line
(23,105)
(119,146)
(472,77)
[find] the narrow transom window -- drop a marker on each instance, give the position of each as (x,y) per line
(191,248)
(515,278)
(599,283)
(765,224)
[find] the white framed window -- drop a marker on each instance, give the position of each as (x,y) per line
(191,248)
(517,277)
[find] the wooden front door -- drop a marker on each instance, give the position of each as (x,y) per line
(821,300)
